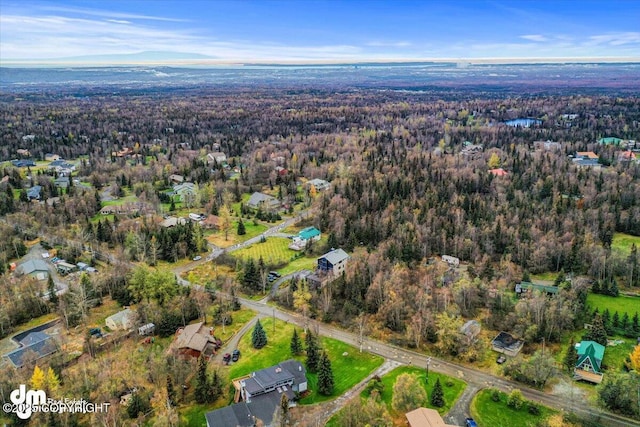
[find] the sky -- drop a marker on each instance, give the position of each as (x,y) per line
(304,31)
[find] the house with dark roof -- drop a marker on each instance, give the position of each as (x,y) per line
(33,346)
(261,393)
(34,192)
(61,182)
(23,163)
(589,364)
(506,344)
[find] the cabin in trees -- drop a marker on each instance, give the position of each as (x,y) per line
(506,344)
(330,266)
(34,192)
(451,260)
(318,184)
(425,417)
(611,140)
(35,268)
(261,393)
(263,201)
(546,145)
(50,157)
(196,339)
(498,172)
(188,189)
(309,234)
(588,366)
(523,288)
(216,157)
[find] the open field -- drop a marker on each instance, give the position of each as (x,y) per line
(622,243)
(622,304)
(253,230)
(451,393)
(239,317)
(488,413)
(347,370)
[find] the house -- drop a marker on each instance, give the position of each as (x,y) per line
(546,145)
(23,163)
(61,182)
(626,156)
(33,193)
(216,157)
(610,140)
(65,268)
(425,417)
(451,260)
(172,221)
(589,364)
(195,339)
(318,184)
(33,346)
(330,266)
(211,222)
(586,155)
(188,189)
(471,330)
(50,157)
(506,344)
(176,179)
(261,393)
(24,151)
(263,201)
(122,320)
(587,163)
(524,287)
(35,268)
(309,234)
(281,171)
(498,172)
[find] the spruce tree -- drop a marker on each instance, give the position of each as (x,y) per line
(296,344)
(597,333)
(241,228)
(51,288)
(284,410)
(313,352)
(215,386)
(571,357)
(202,385)
(325,375)
(437,395)
(259,336)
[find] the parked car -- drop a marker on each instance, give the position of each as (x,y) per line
(226,358)
(470,422)
(197,258)
(275,273)
(501,359)
(235,356)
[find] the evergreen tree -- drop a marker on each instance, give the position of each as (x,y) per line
(202,385)
(313,352)
(571,357)
(615,321)
(325,375)
(259,336)
(51,289)
(216,386)
(437,395)
(635,324)
(597,333)
(137,404)
(284,410)
(171,393)
(296,344)
(241,228)
(250,276)
(172,206)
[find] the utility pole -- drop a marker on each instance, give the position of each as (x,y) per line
(428,363)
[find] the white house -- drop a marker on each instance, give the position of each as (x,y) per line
(122,320)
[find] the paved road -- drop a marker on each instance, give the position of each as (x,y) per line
(460,411)
(473,377)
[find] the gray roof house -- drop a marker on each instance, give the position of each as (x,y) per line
(122,320)
(34,345)
(261,391)
(34,192)
(35,268)
(264,201)
(61,182)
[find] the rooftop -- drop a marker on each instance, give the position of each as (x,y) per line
(335,256)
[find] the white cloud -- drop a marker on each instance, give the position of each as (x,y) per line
(108,14)
(534,37)
(616,39)
(389,44)
(118,21)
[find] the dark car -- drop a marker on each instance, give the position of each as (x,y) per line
(275,274)
(470,422)
(226,358)
(235,356)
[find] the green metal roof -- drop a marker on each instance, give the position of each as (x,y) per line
(610,140)
(593,351)
(309,233)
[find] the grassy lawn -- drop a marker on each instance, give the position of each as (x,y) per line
(274,251)
(451,393)
(120,201)
(347,370)
(614,355)
(622,242)
(252,229)
(549,276)
(239,317)
(621,304)
(488,413)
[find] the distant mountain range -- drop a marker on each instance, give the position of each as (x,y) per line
(147,57)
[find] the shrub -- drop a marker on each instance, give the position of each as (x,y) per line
(533,408)
(515,399)
(495,395)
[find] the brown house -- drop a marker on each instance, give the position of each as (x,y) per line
(425,417)
(212,222)
(195,339)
